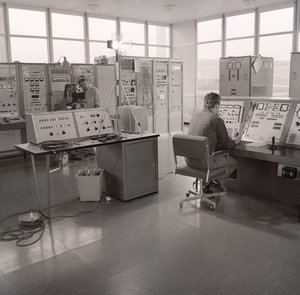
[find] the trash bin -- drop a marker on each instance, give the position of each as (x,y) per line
(89,185)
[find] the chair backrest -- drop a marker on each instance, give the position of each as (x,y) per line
(191,146)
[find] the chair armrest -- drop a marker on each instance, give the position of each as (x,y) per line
(225,153)
(220,152)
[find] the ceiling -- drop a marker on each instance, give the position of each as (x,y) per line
(150,10)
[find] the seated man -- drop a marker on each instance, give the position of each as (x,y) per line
(92,95)
(207,123)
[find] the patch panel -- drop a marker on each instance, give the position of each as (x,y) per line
(8,89)
(34,90)
(161,97)
(128,79)
(232,114)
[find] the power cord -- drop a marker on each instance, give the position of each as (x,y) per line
(22,232)
(26,231)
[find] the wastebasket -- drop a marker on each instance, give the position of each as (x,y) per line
(89,186)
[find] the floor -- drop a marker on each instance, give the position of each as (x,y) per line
(148,246)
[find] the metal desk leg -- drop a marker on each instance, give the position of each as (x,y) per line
(48,185)
(36,182)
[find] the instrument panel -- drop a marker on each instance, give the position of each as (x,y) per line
(294,132)
(268,120)
(232,113)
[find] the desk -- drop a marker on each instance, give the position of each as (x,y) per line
(13,125)
(35,150)
(257,173)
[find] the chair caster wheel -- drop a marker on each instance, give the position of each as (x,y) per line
(212,208)
(187,195)
(181,205)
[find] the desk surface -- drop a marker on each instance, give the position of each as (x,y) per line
(285,155)
(86,143)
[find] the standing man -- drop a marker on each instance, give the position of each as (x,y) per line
(92,95)
(208,123)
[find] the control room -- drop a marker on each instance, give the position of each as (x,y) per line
(150,147)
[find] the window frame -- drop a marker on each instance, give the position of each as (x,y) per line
(9,35)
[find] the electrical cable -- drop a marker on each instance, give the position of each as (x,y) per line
(22,232)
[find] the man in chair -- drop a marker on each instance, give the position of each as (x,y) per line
(207,123)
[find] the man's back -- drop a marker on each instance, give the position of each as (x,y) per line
(213,127)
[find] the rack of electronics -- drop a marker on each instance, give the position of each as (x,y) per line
(155,84)
(32,88)
(152,86)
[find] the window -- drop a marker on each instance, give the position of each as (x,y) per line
(208,67)
(3,57)
(133,50)
(27,22)
(275,40)
(275,21)
(238,29)
(159,35)
(98,48)
(73,50)
(240,47)
(155,51)
(67,26)
(29,49)
(28,35)
(279,47)
(102,29)
(240,25)
(209,52)
(1,20)
(133,37)
(133,32)
(68,37)
(210,30)
(159,41)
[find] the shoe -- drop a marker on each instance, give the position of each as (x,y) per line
(216,186)
(207,190)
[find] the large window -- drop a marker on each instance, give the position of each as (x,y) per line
(68,37)
(3,57)
(101,30)
(159,41)
(133,37)
(240,34)
(275,40)
(28,35)
(209,52)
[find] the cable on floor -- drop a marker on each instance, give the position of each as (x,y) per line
(21,232)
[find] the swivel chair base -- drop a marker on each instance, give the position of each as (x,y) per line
(210,199)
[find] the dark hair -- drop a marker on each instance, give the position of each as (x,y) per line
(211,99)
(82,79)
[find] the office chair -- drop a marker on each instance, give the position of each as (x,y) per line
(197,148)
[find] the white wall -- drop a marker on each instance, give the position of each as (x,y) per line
(184,47)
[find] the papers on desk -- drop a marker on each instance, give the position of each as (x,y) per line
(256,144)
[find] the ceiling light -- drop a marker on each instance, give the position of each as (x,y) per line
(93,5)
(170,7)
